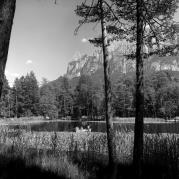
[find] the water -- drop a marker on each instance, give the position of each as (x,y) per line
(101,127)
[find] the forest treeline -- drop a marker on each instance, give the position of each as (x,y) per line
(84,96)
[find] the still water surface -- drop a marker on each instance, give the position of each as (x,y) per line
(101,127)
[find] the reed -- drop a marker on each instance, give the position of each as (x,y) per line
(84,154)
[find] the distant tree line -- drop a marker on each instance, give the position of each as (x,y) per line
(84,96)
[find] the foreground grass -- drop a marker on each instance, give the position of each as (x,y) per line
(30,163)
(84,155)
(12,166)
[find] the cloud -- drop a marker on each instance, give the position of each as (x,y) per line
(28,62)
(84,40)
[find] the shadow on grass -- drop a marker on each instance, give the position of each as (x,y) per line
(122,171)
(12,168)
(97,166)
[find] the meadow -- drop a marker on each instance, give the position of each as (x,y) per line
(83,154)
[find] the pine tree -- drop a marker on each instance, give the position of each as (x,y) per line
(65,99)
(26,95)
(32,94)
(48,101)
(97,11)
(5,101)
(82,97)
(145,23)
(159,27)
(139,118)
(19,96)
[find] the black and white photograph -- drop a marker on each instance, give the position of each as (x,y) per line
(89,89)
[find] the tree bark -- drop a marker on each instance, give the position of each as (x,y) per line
(7,10)
(107,88)
(139,117)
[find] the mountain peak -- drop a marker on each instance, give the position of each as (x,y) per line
(85,64)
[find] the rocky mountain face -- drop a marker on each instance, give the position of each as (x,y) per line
(84,65)
(90,64)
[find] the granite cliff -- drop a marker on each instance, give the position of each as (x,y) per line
(88,65)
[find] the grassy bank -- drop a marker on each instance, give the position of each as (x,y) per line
(84,155)
(132,120)
(36,120)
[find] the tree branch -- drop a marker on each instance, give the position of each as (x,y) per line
(86,18)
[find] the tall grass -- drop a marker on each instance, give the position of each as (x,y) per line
(83,155)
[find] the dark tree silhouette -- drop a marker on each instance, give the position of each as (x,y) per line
(98,11)
(7,10)
(139,116)
(107,86)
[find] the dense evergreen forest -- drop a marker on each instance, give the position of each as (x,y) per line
(83,96)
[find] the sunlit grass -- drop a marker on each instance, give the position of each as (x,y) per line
(82,154)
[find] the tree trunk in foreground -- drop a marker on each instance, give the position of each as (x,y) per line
(108,95)
(139,118)
(7,10)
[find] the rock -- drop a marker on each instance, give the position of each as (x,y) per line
(88,65)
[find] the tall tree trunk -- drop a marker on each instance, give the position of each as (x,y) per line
(108,95)
(7,10)
(139,118)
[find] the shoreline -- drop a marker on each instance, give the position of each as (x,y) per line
(121,121)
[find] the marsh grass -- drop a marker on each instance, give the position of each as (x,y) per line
(44,161)
(84,155)
(162,152)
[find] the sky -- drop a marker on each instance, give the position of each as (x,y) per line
(43,39)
